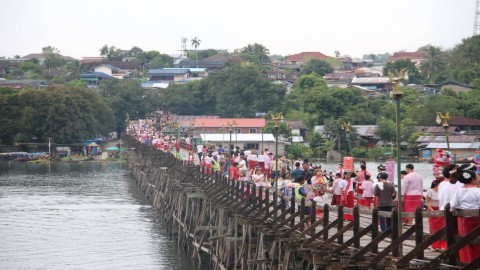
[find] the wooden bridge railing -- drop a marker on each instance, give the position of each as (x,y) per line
(270,219)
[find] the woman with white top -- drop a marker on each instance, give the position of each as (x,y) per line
(467,197)
(258,177)
(435,223)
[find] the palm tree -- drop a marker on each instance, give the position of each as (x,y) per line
(310,120)
(433,64)
(196,43)
(329,146)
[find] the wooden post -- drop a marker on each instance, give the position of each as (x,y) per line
(340,223)
(313,216)
(451,228)
(356,225)
(374,228)
(419,231)
(267,199)
(259,198)
(326,215)
(393,221)
(275,199)
(302,213)
(292,207)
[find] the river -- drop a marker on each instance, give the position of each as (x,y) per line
(80,216)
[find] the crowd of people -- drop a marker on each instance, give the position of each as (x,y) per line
(458,185)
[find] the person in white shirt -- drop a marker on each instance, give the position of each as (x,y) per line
(251,159)
(199,152)
(261,160)
(449,186)
(467,197)
(339,185)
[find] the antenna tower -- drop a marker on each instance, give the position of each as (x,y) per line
(184,46)
(476,26)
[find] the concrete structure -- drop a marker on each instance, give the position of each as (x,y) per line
(242,125)
(248,140)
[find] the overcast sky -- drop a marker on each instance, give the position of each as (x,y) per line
(80,28)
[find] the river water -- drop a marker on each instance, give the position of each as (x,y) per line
(80,216)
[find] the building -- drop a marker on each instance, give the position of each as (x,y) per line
(382,84)
(18,84)
(454,86)
(437,130)
(168,75)
(112,71)
(250,141)
(217,125)
(303,57)
(212,63)
(469,126)
(272,73)
(93,79)
(41,57)
(7,67)
(415,57)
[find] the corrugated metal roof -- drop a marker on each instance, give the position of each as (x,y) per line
(357,80)
(435,145)
(452,139)
(168,72)
(239,122)
(218,137)
(109,66)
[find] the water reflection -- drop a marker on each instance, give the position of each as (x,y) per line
(80,216)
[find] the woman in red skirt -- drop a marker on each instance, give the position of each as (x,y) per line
(435,223)
(467,197)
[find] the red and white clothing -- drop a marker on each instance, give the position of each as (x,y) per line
(251,158)
(412,192)
(467,197)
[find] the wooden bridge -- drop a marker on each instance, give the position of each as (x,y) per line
(241,226)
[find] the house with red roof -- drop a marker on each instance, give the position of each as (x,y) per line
(303,57)
(415,57)
(219,125)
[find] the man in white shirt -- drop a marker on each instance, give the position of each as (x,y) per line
(199,152)
(339,185)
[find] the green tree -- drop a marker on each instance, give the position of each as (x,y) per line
(127,97)
(196,43)
(161,61)
(386,130)
(395,67)
(316,66)
(202,54)
(111,53)
(255,53)
(433,64)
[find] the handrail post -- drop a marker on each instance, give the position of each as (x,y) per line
(340,223)
(302,212)
(253,195)
(395,231)
(267,200)
(259,198)
(326,216)
(419,231)
(374,229)
(313,216)
(275,199)
(356,225)
(450,230)
(292,207)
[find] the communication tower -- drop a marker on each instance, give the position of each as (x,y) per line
(183,44)
(476,26)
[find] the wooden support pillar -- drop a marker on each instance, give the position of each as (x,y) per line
(451,228)
(419,231)
(326,215)
(340,223)
(292,207)
(394,222)
(356,225)
(374,228)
